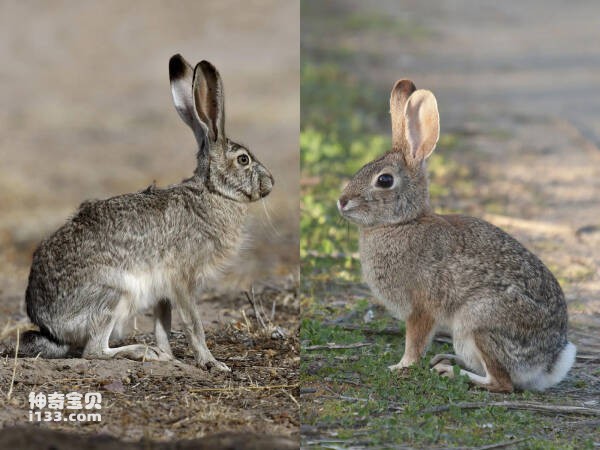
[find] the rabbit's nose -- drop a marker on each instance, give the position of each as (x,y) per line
(342,202)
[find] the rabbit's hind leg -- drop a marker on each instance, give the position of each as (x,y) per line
(447,357)
(496,379)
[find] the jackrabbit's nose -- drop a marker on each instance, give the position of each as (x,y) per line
(342,202)
(266,185)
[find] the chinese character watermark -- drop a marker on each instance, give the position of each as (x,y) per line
(60,407)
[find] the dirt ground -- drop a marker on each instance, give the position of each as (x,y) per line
(87,113)
(163,401)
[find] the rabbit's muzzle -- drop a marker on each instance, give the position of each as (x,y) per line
(345,204)
(342,202)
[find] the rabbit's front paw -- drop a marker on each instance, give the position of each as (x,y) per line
(404,363)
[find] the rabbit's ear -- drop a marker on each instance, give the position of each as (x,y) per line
(181,76)
(400,94)
(209,99)
(422,128)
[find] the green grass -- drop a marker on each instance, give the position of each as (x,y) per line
(357,400)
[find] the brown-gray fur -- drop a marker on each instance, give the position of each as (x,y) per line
(153,249)
(504,308)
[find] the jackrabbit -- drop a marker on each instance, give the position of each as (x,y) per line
(150,249)
(504,309)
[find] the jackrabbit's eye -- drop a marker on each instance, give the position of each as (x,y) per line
(243,159)
(385,180)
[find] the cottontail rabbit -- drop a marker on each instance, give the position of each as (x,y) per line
(504,309)
(149,249)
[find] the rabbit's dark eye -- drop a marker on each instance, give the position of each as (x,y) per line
(243,159)
(385,180)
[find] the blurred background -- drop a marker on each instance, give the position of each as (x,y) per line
(519,101)
(87,114)
(519,97)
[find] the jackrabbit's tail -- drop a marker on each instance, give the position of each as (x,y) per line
(34,343)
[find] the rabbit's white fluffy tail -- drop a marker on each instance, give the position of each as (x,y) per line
(540,379)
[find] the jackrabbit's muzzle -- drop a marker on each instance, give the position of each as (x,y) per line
(266,185)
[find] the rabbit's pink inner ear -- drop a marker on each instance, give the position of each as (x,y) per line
(422,129)
(400,93)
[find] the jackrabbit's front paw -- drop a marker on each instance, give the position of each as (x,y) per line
(210,364)
(218,365)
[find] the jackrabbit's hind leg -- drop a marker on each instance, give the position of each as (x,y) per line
(97,346)
(162,325)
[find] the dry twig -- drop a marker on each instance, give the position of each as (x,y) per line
(336,346)
(249,388)
(530,406)
(391,331)
(503,444)
(20,326)
(387,331)
(12,380)
(257,312)
(266,325)
(584,423)
(291,397)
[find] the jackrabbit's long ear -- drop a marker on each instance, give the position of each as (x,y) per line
(400,94)
(181,75)
(209,99)
(422,128)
